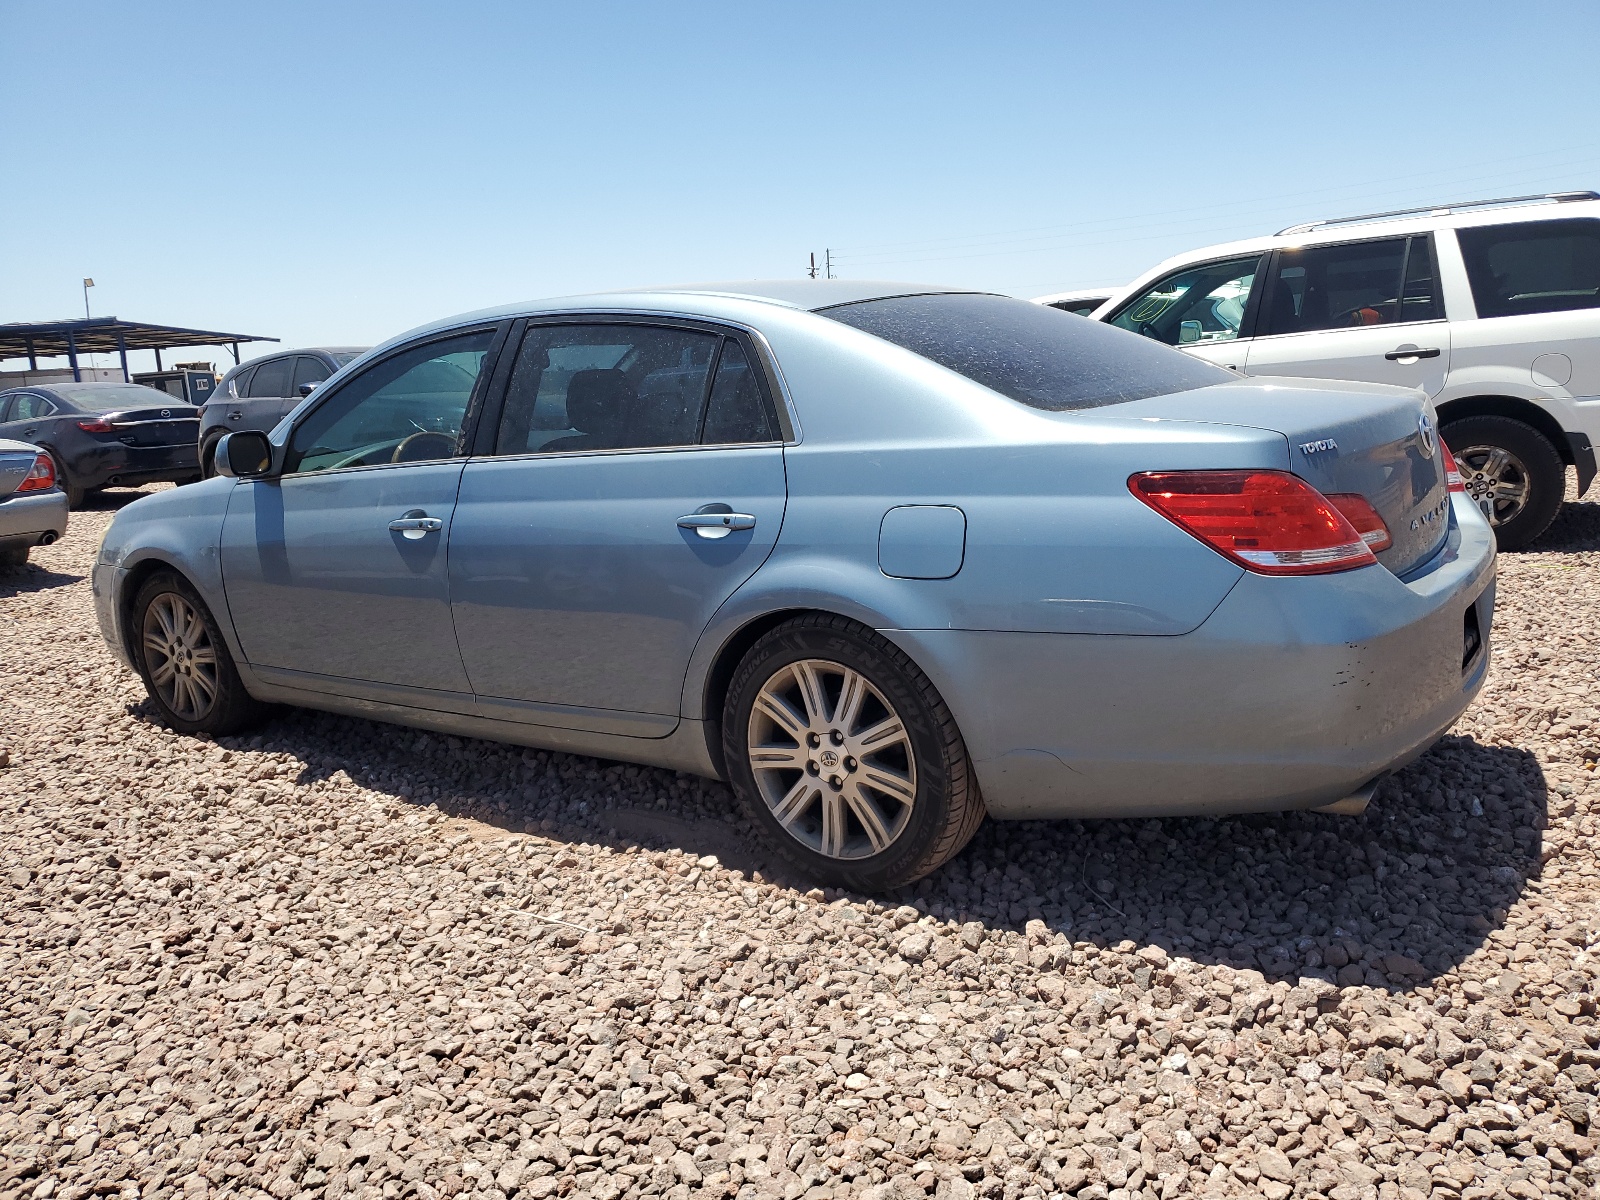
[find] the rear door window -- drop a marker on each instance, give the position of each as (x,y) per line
(606,386)
(31,408)
(1204,303)
(737,412)
(271,380)
(1533,266)
(1335,287)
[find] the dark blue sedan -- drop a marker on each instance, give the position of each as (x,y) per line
(105,434)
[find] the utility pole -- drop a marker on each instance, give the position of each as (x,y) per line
(812,270)
(828,258)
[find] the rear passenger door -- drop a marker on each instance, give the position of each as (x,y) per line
(635,479)
(1369,311)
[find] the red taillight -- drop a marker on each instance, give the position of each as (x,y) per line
(40,476)
(1272,522)
(1452,473)
(1363,518)
(96,426)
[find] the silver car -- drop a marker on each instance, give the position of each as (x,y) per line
(886,559)
(33,508)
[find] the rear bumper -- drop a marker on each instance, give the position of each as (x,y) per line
(133,465)
(32,515)
(1293,694)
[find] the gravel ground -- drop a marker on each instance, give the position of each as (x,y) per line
(344,959)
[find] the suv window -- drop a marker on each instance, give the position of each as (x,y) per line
(408,407)
(307,370)
(1202,303)
(1036,355)
(1533,266)
(606,387)
(1335,287)
(270,380)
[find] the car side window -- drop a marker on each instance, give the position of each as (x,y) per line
(271,380)
(737,412)
(307,370)
(1420,299)
(1533,266)
(29,407)
(408,407)
(1334,287)
(239,386)
(1203,303)
(605,386)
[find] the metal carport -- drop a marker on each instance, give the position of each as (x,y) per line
(102,335)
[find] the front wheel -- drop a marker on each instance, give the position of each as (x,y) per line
(1512,472)
(184,662)
(844,753)
(208,458)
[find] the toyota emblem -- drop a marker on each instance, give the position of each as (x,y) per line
(1430,436)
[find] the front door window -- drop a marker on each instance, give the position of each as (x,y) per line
(407,408)
(1198,304)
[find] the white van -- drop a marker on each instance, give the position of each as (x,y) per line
(1492,308)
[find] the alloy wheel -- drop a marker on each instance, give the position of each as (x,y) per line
(832,759)
(1497,481)
(180,656)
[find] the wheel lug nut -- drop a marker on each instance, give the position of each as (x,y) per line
(838,738)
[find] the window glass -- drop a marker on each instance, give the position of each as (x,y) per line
(31,408)
(307,370)
(240,383)
(407,408)
(1533,266)
(1031,353)
(108,397)
(1198,304)
(737,411)
(1335,287)
(1420,301)
(271,379)
(1080,308)
(605,387)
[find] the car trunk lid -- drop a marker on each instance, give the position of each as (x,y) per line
(171,425)
(15,463)
(1376,442)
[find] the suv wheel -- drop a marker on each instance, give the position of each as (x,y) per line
(842,751)
(184,662)
(1512,472)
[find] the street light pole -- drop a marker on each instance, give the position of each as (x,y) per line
(87,284)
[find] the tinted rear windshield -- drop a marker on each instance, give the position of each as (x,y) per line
(115,396)
(1032,353)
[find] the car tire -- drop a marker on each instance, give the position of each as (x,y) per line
(1511,466)
(208,458)
(184,661)
(75,494)
(840,809)
(14,558)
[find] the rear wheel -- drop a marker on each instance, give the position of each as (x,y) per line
(843,752)
(184,662)
(76,494)
(1512,472)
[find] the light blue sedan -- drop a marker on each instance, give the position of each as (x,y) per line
(886,559)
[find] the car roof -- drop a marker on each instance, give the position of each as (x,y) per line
(250,362)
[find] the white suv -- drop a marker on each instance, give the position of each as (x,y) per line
(1491,308)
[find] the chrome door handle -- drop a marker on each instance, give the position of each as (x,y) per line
(716,524)
(416,524)
(1411,352)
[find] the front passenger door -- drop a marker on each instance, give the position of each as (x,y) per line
(335,570)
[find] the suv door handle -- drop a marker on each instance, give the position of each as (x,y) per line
(1411,352)
(416,524)
(716,524)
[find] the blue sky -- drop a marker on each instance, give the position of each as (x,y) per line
(336,173)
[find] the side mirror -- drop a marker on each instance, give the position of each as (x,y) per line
(1188,331)
(244,455)
(307,388)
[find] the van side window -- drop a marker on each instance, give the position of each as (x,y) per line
(1533,266)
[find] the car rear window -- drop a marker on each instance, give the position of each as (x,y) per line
(108,398)
(1031,353)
